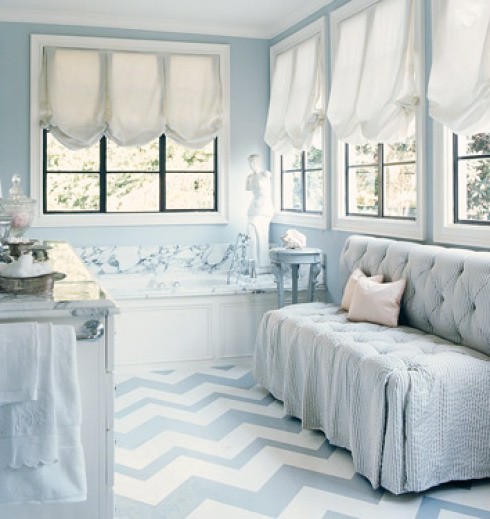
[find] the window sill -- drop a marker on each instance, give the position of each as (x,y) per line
(412,230)
(114,220)
(314,221)
(465,235)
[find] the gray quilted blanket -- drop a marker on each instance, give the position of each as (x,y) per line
(414,409)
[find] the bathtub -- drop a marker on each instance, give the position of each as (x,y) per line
(183,316)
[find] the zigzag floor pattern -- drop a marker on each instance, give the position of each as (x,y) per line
(213,445)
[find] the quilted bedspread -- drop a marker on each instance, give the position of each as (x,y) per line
(413,408)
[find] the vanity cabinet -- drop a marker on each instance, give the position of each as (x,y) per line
(77,300)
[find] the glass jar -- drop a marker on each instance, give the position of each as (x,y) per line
(19,207)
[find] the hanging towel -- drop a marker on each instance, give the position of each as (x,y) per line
(18,362)
(29,427)
(65,480)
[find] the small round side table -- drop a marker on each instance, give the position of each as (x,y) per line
(280,257)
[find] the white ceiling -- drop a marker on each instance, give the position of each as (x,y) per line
(247,18)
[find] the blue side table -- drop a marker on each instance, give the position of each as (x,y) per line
(280,257)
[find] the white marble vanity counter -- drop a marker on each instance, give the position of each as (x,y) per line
(79,293)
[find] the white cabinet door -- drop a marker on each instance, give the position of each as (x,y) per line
(91,358)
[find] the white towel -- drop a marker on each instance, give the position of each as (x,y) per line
(65,480)
(29,427)
(18,362)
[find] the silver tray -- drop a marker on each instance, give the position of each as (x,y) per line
(36,285)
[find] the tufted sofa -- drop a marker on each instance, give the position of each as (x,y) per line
(411,403)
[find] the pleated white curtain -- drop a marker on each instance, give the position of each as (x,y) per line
(374,88)
(72,103)
(459,84)
(131,97)
(296,99)
(193,99)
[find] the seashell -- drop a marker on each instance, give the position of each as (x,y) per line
(293,239)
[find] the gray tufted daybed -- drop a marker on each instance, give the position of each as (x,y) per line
(411,403)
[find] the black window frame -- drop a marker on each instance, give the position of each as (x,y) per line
(456,160)
(380,165)
(303,170)
(103,172)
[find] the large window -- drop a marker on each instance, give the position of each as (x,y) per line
(381,180)
(161,176)
(104,184)
(302,181)
(471,168)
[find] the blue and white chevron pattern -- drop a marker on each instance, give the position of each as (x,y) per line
(212,444)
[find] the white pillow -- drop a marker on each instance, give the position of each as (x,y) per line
(377,303)
(351,284)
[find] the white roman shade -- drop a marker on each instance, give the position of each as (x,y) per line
(131,97)
(459,84)
(72,103)
(374,89)
(296,98)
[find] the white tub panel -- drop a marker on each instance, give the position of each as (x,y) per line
(153,333)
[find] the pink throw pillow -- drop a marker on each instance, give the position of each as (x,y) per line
(351,284)
(377,303)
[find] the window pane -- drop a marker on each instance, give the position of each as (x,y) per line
(363,154)
(72,192)
(180,158)
(403,151)
(314,191)
(474,190)
(190,191)
(292,191)
(133,192)
(363,190)
(60,158)
(314,158)
(133,158)
(291,160)
(478,144)
(400,195)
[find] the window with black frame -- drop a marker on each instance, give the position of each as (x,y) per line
(161,176)
(471,168)
(381,180)
(302,181)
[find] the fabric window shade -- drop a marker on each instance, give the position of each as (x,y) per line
(131,97)
(193,99)
(459,84)
(374,89)
(296,100)
(135,98)
(72,103)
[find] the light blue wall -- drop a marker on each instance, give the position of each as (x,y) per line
(249,103)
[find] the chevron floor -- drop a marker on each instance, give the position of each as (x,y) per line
(212,444)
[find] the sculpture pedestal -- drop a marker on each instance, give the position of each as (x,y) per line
(258,230)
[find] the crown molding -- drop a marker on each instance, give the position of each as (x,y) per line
(113,21)
(297,16)
(144,23)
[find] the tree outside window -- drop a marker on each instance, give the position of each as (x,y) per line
(471,162)
(161,176)
(381,179)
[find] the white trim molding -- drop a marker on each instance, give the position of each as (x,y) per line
(409,229)
(38,42)
(445,230)
(318,221)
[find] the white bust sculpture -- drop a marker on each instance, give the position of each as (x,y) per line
(260,213)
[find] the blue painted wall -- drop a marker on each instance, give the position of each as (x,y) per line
(249,103)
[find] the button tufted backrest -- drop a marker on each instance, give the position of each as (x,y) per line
(448,290)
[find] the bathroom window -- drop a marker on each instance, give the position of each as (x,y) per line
(381,180)
(161,176)
(471,178)
(77,183)
(302,181)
